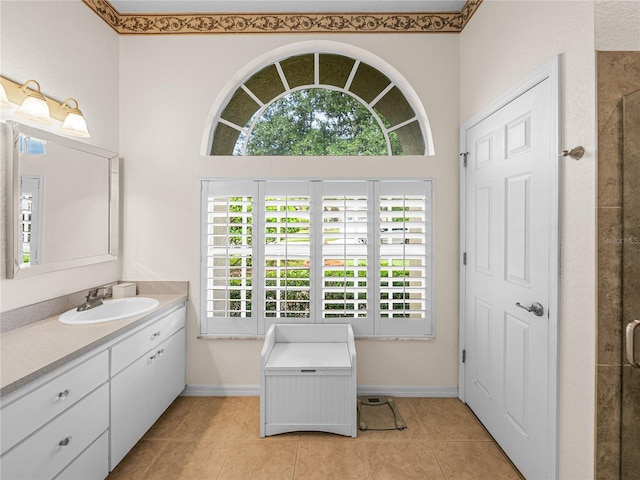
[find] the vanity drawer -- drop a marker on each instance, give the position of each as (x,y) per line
(25,415)
(136,345)
(47,452)
(92,464)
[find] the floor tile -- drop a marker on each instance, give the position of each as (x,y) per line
(402,460)
(166,426)
(258,460)
(212,418)
(415,429)
(134,465)
(188,461)
(473,461)
(331,460)
(219,438)
(448,419)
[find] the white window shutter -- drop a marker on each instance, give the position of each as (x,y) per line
(405,257)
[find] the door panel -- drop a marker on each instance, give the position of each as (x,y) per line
(518,229)
(509,244)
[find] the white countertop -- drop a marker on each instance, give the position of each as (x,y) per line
(29,352)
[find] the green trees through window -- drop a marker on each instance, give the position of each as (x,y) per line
(317,121)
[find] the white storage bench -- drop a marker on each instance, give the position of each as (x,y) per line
(308,380)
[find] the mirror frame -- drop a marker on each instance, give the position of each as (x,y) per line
(13,257)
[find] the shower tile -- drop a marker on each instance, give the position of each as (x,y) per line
(609,286)
(618,74)
(630,420)
(618,185)
(608,422)
(631,263)
(608,403)
(610,159)
(608,461)
(631,165)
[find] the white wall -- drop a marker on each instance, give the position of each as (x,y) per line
(167,87)
(503,43)
(617,24)
(71,52)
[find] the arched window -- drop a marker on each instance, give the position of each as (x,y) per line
(378,112)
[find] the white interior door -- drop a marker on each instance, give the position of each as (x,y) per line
(510,278)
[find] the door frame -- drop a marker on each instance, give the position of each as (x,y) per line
(551,71)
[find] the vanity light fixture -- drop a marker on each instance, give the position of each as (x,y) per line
(4,100)
(74,123)
(35,106)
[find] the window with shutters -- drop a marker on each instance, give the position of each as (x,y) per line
(357,252)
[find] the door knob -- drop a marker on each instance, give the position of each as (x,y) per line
(535,308)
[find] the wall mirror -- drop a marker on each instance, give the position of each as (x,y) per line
(62,202)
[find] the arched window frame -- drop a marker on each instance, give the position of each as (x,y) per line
(360,56)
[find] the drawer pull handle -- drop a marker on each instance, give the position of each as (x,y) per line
(155,335)
(308,371)
(161,352)
(63,395)
(64,442)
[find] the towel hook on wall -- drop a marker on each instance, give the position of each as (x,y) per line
(576,153)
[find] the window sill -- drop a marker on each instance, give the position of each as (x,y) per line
(363,337)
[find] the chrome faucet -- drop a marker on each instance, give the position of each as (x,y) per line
(93,299)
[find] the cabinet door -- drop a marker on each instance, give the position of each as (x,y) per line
(170,371)
(143,391)
(132,399)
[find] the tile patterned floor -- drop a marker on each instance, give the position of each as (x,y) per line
(219,438)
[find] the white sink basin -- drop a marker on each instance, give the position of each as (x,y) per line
(110,310)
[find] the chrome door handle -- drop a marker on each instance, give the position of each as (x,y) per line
(535,308)
(631,344)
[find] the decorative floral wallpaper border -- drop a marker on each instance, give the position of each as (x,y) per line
(426,22)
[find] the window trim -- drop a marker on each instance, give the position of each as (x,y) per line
(311,47)
(256,325)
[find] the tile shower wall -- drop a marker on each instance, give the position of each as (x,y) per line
(630,438)
(618,385)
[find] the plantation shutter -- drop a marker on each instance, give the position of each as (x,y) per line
(287,252)
(228,252)
(405,259)
(357,252)
(346,287)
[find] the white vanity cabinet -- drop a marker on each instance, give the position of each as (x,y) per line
(45,428)
(147,374)
(77,421)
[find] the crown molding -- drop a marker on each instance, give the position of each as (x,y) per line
(208,23)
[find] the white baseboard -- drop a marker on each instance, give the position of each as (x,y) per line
(221,391)
(407,391)
(363,390)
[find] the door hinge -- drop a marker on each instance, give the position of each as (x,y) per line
(464,158)
(464,356)
(464,258)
